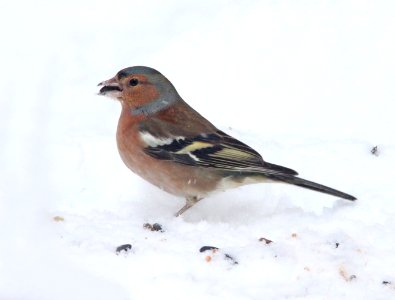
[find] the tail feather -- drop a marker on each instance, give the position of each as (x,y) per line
(280,169)
(311,185)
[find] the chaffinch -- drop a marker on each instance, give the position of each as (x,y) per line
(166,142)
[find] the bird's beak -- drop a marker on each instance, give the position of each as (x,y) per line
(110,88)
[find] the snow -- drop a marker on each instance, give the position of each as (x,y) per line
(308,84)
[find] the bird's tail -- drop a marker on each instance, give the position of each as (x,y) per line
(311,185)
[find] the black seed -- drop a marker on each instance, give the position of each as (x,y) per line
(267,241)
(386,282)
(337,245)
(125,248)
(375,151)
(157,227)
(228,257)
(205,248)
(154,227)
(147,226)
(109,88)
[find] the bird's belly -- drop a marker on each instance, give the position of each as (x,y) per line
(174,178)
(232,182)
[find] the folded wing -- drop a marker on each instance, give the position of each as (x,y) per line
(214,150)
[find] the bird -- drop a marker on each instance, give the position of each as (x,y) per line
(165,141)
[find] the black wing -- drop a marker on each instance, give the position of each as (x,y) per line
(215,150)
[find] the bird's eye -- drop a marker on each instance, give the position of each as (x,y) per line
(133,82)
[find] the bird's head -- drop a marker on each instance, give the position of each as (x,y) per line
(143,89)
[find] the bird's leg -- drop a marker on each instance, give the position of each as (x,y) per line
(190,201)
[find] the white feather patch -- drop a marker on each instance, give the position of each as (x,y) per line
(194,157)
(153,141)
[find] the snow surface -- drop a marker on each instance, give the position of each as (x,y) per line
(309,84)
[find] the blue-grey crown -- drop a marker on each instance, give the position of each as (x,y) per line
(137,70)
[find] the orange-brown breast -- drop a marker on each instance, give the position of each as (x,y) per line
(172,177)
